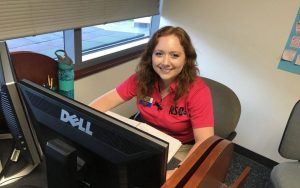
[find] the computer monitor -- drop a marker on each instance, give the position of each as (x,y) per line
(26,154)
(115,154)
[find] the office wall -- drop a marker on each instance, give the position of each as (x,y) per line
(91,87)
(239,43)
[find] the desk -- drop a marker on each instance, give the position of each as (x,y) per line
(205,167)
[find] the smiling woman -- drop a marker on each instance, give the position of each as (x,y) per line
(170,95)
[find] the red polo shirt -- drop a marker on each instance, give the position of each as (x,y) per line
(194,110)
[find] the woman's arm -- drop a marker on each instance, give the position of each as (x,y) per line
(107,101)
(200,134)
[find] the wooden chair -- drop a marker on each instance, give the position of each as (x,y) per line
(212,172)
(189,166)
(207,167)
(34,67)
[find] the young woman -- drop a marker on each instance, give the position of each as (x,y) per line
(170,95)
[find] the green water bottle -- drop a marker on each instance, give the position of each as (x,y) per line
(65,74)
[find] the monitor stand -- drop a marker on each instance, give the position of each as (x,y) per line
(61,161)
(14,168)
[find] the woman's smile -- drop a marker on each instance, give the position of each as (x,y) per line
(165,69)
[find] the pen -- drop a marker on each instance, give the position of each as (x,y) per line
(48,80)
(51,83)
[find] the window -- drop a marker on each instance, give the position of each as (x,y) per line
(45,44)
(99,46)
(109,35)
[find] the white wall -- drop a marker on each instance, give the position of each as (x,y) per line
(91,87)
(239,43)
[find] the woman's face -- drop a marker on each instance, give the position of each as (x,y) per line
(168,58)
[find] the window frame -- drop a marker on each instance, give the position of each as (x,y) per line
(72,42)
(109,62)
(97,62)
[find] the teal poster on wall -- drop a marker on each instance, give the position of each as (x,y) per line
(290,59)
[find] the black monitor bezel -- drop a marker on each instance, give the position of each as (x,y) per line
(87,141)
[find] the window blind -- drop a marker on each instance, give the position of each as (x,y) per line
(20,18)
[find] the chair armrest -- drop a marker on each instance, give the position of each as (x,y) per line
(192,163)
(231,136)
(240,181)
(212,172)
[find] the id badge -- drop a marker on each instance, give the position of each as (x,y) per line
(147,101)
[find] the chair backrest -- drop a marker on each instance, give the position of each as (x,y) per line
(182,175)
(34,67)
(289,145)
(207,166)
(212,172)
(227,109)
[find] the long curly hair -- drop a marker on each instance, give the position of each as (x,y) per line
(147,76)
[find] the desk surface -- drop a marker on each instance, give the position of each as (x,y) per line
(38,177)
